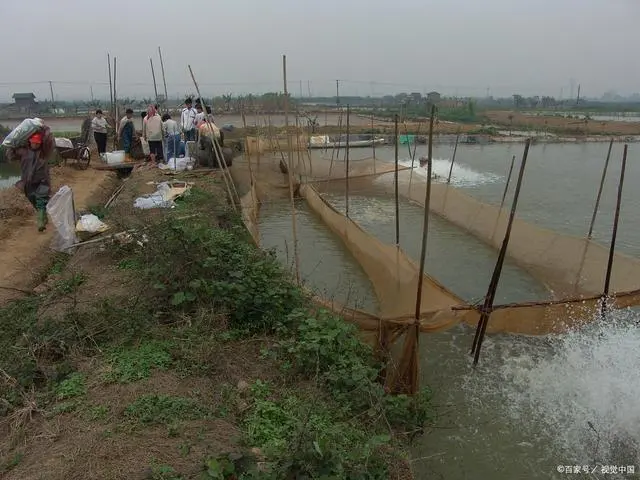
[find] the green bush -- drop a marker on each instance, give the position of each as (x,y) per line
(219,267)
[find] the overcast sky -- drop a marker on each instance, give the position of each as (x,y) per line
(459,47)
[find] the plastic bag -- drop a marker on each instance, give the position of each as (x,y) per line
(63,142)
(145,146)
(180,164)
(61,210)
(90,223)
(19,136)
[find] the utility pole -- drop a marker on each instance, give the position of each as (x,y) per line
(300,89)
(578,97)
(338,93)
(309,88)
(53,102)
(91,88)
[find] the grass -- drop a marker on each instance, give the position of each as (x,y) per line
(163,409)
(166,359)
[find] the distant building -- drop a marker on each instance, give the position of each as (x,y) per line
(433,97)
(24,103)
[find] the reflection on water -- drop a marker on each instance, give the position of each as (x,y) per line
(325,266)
(559,188)
(455,258)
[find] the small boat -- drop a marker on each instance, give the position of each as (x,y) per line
(340,141)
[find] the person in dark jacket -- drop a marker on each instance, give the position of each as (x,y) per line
(35,180)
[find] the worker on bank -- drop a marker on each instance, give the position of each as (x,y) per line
(35,180)
(99,126)
(188,121)
(127,132)
(171,134)
(152,133)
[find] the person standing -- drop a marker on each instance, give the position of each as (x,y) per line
(127,132)
(35,180)
(188,121)
(152,133)
(99,126)
(171,131)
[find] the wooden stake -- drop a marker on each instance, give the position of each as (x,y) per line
(425,224)
(453,159)
(597,205)
(396,159)
(347,164)
(164,81)
(614,234)
(493,285)
(153,74)
(506,187)
(293,204)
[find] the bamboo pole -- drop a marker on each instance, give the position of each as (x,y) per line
(110,86)
(413,156)
(226,175)
(614,234)
(453,159)
(115,104)
(425,224)
(347,164)
(335,151)
(373,144)
(493,285)
(293,205)
(153,75)
(395,181)
(506,187)
(602,179)
(164,81)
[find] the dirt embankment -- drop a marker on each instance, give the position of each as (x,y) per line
(160,358)
(561,124)
(24,252)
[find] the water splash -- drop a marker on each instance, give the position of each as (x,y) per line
(461,175)
(579,392)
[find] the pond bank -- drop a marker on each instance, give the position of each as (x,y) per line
(189,354)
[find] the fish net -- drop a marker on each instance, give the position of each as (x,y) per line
(573,268)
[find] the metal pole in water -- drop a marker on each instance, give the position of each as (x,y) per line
(425,225)
(396,140)
(290,168)
(485,312)
(506,187)
(604,175)
(453,159)
(614,234)
(346,209)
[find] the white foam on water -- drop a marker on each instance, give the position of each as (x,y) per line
(579,392)
(461,175)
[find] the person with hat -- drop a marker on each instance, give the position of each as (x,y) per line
(35,180)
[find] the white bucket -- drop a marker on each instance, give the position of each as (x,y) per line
(116,157)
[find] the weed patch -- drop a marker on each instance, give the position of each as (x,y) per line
(130,364)
(163,409)
(73,386)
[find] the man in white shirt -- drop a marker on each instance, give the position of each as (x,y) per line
(171,132)
(188,121)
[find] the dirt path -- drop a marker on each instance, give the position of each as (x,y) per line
(24,252)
